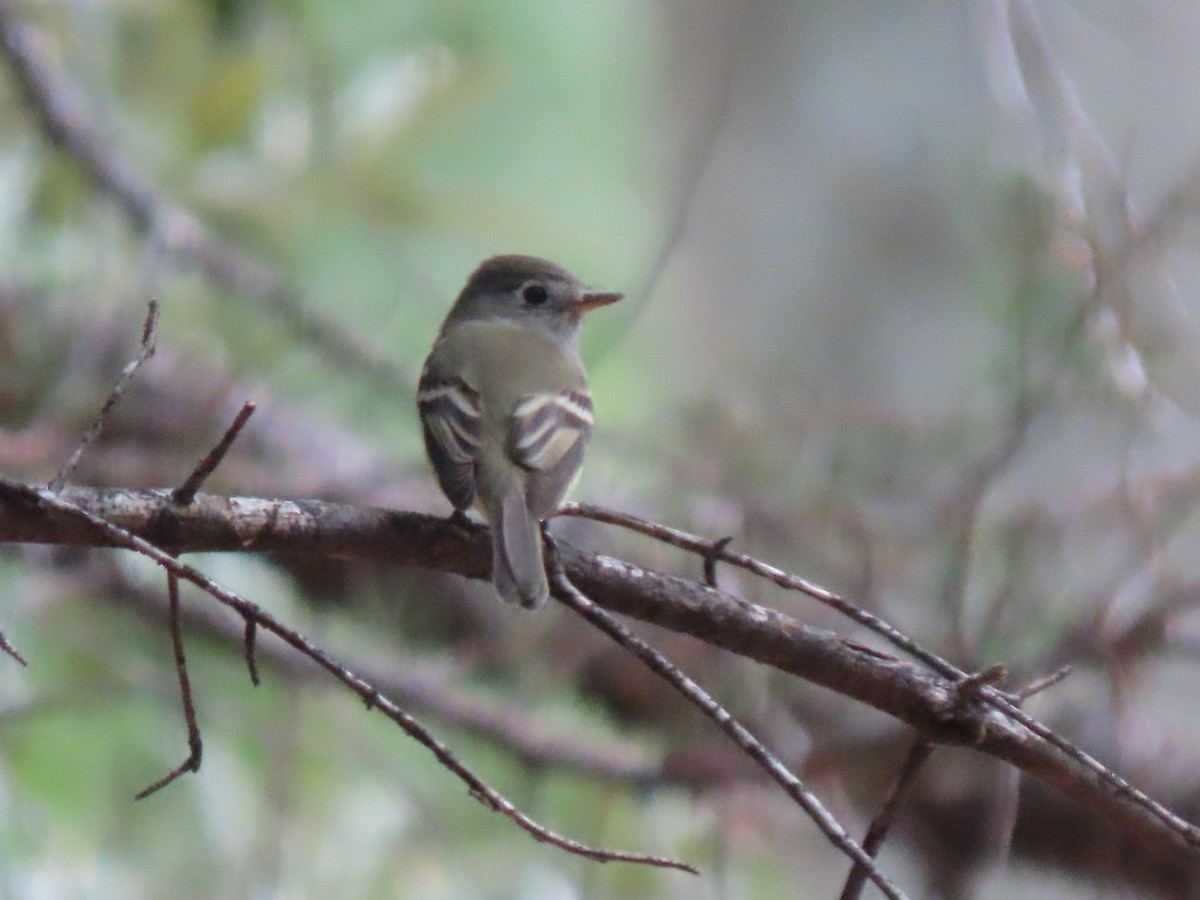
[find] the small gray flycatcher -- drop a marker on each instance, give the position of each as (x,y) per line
(505,407)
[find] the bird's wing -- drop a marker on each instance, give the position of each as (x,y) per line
(450,418)
(545,427)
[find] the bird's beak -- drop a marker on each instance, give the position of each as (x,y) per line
(594,300)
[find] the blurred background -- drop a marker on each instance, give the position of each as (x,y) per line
(890,325)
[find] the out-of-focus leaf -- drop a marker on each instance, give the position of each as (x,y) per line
(227,101)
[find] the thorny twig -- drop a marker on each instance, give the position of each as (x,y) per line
(149,329)
(568,594)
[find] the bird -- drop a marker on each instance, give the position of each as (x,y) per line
(505,408)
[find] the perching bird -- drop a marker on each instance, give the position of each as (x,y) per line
(505,407)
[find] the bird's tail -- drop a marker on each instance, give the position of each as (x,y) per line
(517,568)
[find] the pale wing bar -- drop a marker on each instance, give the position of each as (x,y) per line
(450,416)
(546,426)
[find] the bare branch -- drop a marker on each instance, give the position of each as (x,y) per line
(249,644)
(1044,683)
(417,682)
(7,647)
(715,551)
(928,701)
(184,494)
(972,685)
(878,830)
(149,332)
(195,745)
(1091,768)
(701,149)
(370,694)
(710,560)
(567,593)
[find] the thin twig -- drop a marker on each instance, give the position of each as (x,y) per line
(925,700)
(186,492)
(1045,682)
(478,788)
(430,684)
(1180,826)
(149,330)
(710,559)
(570,595)
(195,745)
(249,644)
(706,549)
(8,648)
(1189,833)
(972,685)
(878,830)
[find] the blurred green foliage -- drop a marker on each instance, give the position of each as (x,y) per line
(374,155)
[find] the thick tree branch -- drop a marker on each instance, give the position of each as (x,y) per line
(930,703)
(110,534)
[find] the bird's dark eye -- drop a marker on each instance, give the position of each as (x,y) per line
(534,294)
